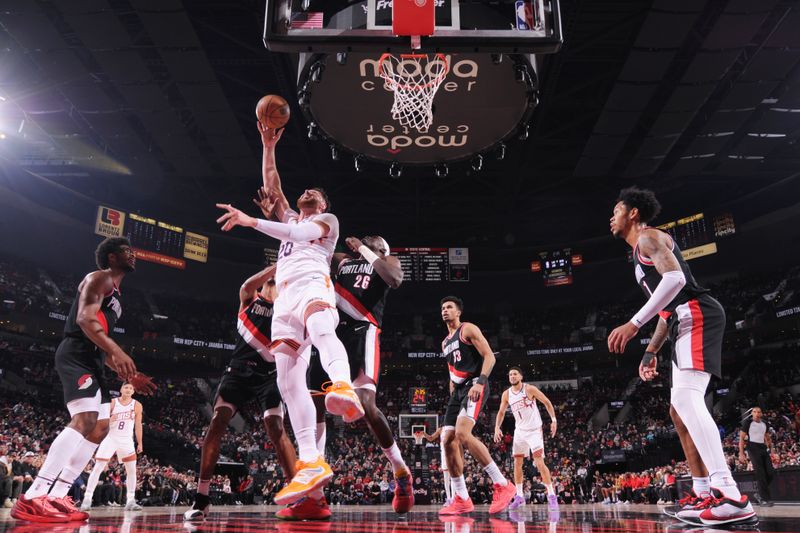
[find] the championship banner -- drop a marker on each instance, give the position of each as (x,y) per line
(109,222)
(160,259)
(196,247)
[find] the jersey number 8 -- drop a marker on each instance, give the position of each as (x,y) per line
(121,425)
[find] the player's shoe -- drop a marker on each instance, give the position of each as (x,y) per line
(516,503)
(67,506)
(38,509)
(403,499)
(309,477)
(133,506)
(727,511)
(459,506)
(689,500)
(552,502)
(502,496)
(306,508)
(86,504)
(692,514)
(199,509)
(341,399)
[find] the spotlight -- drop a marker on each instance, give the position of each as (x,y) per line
(304,99)
(316,72)
(313,132)
(500,154)
(442,170)
(395,170)
(334,152)
(341,58)
(524,133)
(305,5)
(521,75)
(358,163)
(477,163)
(497,58)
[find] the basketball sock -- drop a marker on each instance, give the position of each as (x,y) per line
(701,486)
(59,455)
(99,466)
(519,490)
(393,454)
(302,413)
(448,484)
(81,456)
(322,434)
(689,402)
(460,487)
(494,472)
(130,480)
(202,486)
(321,328)
(550,490)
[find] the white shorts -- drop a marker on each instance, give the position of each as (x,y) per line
(289,318)
(90,405)
(111,445)
(526,442)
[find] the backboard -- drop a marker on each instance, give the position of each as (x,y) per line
(331,26)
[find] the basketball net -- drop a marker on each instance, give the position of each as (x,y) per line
(414,78)
(418,436)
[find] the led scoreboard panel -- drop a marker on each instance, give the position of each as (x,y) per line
(696,234)
(154,235)
(433,264)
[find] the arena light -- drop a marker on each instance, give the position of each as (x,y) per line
(477,163)
(442,170)
(358,163)
(501,152)
(313,132)
(334,152)
(395,170)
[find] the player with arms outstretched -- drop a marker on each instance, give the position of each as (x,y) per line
(528,438)
(80,360)
(470,361)
(125,417)
(249,376)
(695,323)
(305,310)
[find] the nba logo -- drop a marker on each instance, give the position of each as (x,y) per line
(524,11)
(110,216)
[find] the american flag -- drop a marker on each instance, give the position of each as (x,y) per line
(307,21)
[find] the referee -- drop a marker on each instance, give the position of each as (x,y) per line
(758,445)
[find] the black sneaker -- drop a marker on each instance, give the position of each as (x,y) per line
(198,511)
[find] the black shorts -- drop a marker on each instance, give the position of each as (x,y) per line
(362,342)
(244,381)
(461,405)
(696,329)
(81,366)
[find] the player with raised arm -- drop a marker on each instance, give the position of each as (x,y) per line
(695,323)
(80,360)
(305,310)
(125,418)
(528,438)
(249,376)
(470,361)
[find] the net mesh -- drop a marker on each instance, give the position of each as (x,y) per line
(414,78)
(418,436)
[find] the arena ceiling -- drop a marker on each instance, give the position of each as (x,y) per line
(148,105)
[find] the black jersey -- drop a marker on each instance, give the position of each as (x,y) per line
(648,278)
(254,325)
(109,313)
(463,360)
(360,291)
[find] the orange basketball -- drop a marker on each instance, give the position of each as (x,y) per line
(273,111)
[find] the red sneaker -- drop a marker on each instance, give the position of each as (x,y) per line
(67,506)
(307,508)
(37,509)
(459,506)
(503,494)
(403,499)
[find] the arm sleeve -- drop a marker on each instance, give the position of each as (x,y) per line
(671,284)
(289,232)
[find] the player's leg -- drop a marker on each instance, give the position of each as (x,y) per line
(519,498)
(446,479)
(102,457)
(454,455)
(316,379)
(547,479)
(273,424)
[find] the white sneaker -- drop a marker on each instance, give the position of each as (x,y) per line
(86,504)
(133,506)
(195,514)
(727,510)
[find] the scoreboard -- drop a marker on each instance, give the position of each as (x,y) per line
(154,236)
(696,234)
(433,264)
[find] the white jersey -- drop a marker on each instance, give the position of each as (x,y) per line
(123,417)
(526,413)
(297,260)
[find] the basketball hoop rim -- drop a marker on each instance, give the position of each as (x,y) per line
(418,87)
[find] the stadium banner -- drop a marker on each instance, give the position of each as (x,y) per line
(561,349)
(159,259)
(198,343)
(699,251)
(196,247)
(787,312)
(109,222)
(425,355)
(614,455)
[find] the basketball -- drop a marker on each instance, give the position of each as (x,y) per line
(273,111)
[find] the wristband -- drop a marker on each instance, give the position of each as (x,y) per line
(367,254)
(647,358)
(482,379)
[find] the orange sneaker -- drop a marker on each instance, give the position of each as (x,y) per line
(459,506)
(306,508)
(503,494)
(37,509)
(67,506)
(403,499)
(309,476)
(342,400)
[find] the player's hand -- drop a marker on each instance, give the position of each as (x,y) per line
(475,392)
(122,364)
(139,449)
(354,243)
(143,384)
(266,201)
(743,458)
(553,428)
(234,217)
(428,438)
(498,434)
(269,137)
(620,336)
(649,372)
